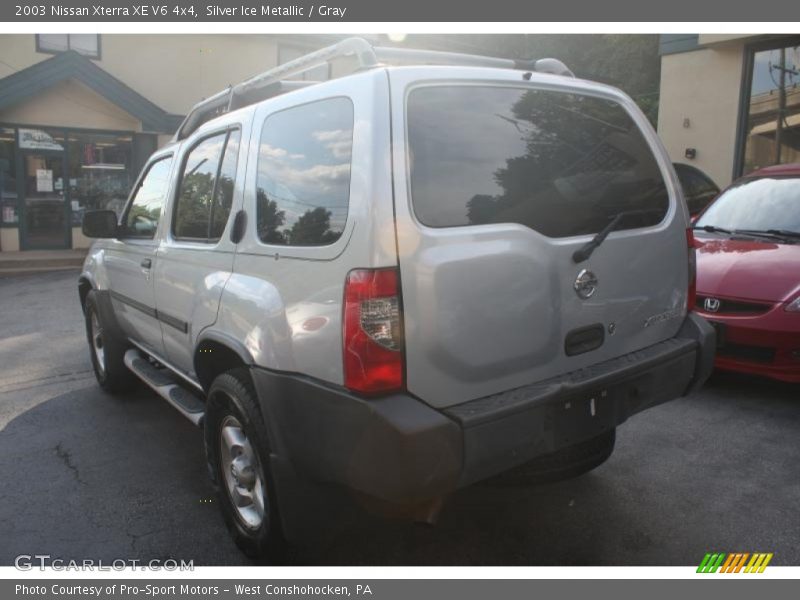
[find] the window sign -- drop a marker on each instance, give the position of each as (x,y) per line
(44,180)
(36,139)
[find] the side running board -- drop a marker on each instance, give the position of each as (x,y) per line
(168,386)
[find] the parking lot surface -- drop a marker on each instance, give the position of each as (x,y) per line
(85,475)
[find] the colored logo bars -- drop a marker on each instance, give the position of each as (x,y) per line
(734,563)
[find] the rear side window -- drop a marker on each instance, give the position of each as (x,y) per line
(206,190)
(562,164)
(303,182)
(144,213)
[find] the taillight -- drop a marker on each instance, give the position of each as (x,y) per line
(372,331)
(691,296)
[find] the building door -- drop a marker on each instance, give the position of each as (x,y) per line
(45,222)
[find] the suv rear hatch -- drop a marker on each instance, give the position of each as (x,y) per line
(497,184)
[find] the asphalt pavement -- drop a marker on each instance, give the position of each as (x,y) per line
(86,475)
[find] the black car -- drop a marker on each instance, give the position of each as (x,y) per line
(698,188)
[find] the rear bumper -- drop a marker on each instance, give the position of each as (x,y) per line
(400,450)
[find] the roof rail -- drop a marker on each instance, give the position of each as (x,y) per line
(273,82)
(434,57)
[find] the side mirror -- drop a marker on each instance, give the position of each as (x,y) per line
(100,224)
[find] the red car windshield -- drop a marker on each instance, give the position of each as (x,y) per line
(765,204)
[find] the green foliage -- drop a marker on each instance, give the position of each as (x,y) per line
(270,220)
(628,61)
(194,205)
(312,228)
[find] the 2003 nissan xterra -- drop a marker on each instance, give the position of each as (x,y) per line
(401,281)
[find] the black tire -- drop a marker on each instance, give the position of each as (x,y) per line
(564,464)
(232,399)
(111,373)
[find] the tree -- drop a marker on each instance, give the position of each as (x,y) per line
(312,228)
(194,205)
(269,219)
(628,61)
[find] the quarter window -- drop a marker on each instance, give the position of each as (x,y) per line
(206,190)
(303,184)
(144,213)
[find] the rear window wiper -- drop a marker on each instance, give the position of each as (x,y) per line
(712,229)
(585,251)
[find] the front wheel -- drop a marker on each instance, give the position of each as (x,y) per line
(237,449)
(107,352)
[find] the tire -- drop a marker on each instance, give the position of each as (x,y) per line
(567,463)
(107,352)
(238,452)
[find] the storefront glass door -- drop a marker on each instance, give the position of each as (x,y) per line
(45,209)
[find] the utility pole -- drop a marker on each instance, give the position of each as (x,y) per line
(781,106)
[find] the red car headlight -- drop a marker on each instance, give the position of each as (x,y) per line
(793,306)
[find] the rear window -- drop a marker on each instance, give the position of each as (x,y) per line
(562,164)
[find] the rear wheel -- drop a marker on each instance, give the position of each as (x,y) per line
(237,449)
(564,464)
(107,351)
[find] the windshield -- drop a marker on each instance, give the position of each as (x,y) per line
(757,204)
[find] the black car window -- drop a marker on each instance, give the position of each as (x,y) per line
(698,188)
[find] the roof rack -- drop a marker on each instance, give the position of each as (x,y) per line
(273,82)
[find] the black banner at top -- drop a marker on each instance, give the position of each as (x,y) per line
(189,11)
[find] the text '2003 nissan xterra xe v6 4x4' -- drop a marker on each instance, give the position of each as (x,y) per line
(401,281)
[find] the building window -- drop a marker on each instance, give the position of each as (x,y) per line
(87,44)
(99,172)
(772,132)
(287,53)
(8,179)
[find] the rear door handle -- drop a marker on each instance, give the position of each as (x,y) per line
(146,263)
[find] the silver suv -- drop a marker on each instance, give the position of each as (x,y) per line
(401,281)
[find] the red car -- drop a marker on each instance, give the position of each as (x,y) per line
(748,273)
